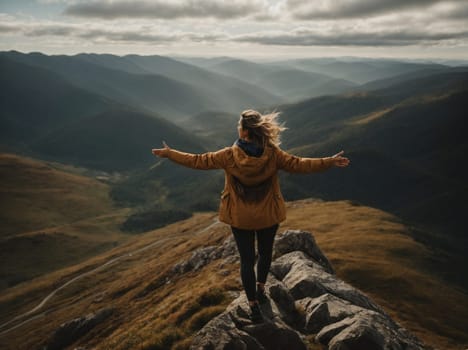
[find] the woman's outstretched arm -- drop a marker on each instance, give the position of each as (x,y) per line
(294,164)
(205,161)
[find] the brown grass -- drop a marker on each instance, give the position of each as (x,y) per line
(155,309)
(36,196)
(370,117)
(51,219)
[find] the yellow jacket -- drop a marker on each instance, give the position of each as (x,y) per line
(251,171)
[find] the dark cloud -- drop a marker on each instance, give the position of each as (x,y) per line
(125,36)
(310,38)
(340,9)
(163,9)
(457,12)
(6,28)
(43,30)
(140,36)
(37,29)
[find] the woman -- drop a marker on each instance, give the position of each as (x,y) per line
(251,202)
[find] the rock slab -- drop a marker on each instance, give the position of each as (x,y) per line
(306,302)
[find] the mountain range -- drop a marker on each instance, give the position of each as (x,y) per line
(158,85)
(77,169)
(410,123)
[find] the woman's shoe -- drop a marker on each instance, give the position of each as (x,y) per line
(256,314)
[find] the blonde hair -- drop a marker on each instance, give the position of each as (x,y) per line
(263,129)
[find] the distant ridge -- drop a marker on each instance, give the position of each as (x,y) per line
(291,83)
(154,84)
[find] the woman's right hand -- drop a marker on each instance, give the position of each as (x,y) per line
(161,152)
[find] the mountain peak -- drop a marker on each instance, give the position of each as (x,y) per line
(307,303)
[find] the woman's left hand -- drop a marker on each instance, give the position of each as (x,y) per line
(339,160)
(161,152)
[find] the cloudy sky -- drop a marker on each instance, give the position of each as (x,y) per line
(242,28)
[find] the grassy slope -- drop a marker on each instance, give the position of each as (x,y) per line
(50,218)
(369,248)
(35,195)
(115,140)
(29,110)
(405,156)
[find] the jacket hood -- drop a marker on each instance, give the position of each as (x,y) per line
(252,170)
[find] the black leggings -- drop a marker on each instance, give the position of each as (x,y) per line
(245,240)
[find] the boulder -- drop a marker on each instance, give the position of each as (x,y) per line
(199,258)
(325,310)
(296,240)
(367,330)
(306,278)
(203,256)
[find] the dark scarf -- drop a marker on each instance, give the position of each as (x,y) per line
(250,148)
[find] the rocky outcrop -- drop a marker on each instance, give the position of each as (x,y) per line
(307,303)
(205,255)
(72,330)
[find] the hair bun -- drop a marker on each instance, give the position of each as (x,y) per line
(250,114)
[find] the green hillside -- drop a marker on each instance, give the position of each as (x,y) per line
(219,129)
(114,140)
(36,101)
(405,159)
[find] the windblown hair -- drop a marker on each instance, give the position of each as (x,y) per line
(263,129)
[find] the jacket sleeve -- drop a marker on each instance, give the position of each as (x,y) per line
(294,164)
(204,161)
